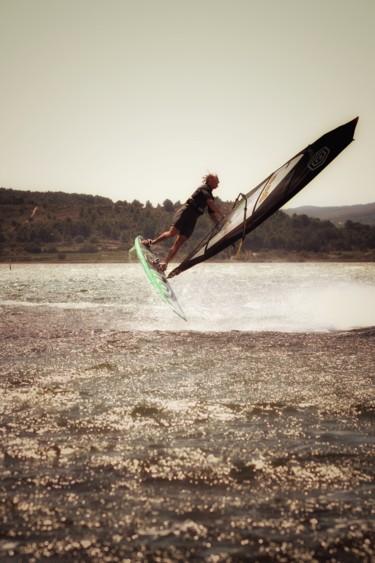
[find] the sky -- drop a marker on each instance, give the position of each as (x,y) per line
(139,99)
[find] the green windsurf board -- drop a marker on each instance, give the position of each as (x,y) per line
(156,276)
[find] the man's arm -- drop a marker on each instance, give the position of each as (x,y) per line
(215,211)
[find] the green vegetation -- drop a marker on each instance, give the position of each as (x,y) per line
(55,226)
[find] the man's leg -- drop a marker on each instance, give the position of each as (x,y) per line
(167,234)
(180,239)
(164,236)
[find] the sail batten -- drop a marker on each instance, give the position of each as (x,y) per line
(271,194)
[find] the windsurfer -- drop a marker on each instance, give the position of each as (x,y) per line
(185,218)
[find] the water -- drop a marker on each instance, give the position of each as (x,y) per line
(243,434)
(215,297)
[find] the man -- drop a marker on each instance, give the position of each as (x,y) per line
(185,219)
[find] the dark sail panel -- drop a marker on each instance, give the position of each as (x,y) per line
(274,192)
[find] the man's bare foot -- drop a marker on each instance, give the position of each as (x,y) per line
(147,242)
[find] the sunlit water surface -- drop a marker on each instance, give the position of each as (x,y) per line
(245,433)
(215,297)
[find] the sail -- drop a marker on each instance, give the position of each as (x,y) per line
(271,194)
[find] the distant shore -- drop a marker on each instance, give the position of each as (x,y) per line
(113,257)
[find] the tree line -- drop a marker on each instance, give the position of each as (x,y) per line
(47,221)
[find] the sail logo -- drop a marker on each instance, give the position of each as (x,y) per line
(318,159)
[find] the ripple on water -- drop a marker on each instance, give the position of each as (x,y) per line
(185,446)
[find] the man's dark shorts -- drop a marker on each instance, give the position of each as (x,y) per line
(185,219)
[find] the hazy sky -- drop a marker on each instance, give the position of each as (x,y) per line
(138,99)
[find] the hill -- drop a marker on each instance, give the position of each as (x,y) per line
(46,226)
(338,215)
(57,225)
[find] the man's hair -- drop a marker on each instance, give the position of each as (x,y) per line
(208,176)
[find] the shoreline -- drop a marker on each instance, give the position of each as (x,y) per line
(122,257)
